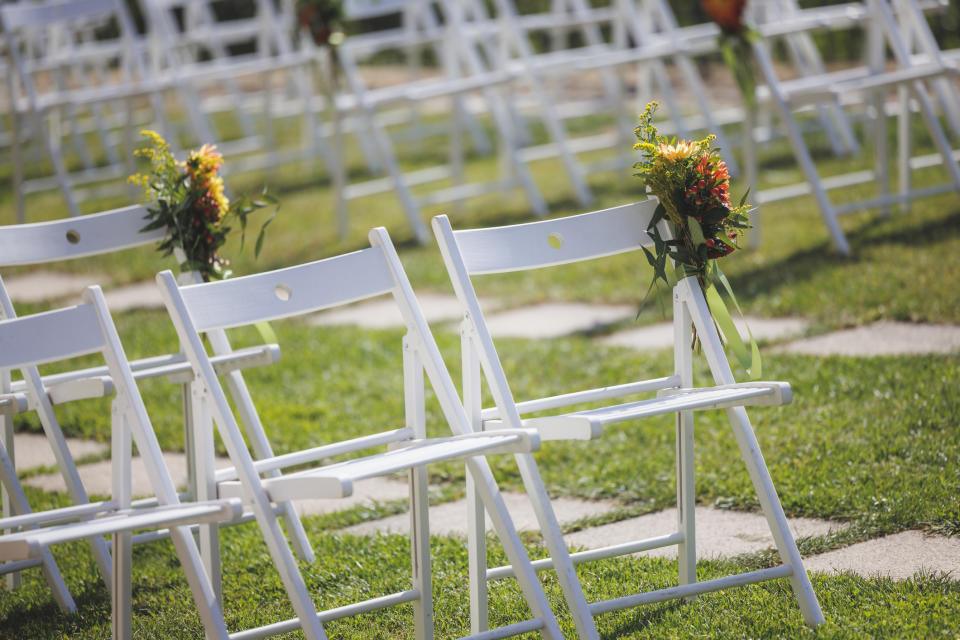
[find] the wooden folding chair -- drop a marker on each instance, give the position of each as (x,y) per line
(210,308)
(100,234)
(592,235)
(60,335)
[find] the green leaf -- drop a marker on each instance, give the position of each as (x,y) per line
(659,213)
(696,231)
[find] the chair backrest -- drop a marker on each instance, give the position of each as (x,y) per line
(88,328)
(548,242)
(214,306)
(530,246)
(69,238)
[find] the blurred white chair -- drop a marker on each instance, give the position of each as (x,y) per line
(914,69)
(70,80)
(534,245)
(61,335)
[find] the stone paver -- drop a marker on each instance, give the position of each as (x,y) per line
(719,532)
(364,492)
(384,314)
(881,338)
(140,295)
(554,319)
(97,481)
(33,450)
(899,556)
(37,286)
(451,517)
(660,335)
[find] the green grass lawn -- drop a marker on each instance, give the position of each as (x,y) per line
(872,443)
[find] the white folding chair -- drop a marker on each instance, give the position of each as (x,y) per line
(918,73)
(60,335)
(210,308)
(62,77)
(226,66)
(518,247)
(99,234)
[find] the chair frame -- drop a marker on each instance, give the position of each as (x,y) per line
(582,237)
(204,308)
(66,333)
(916,75)
(96,234)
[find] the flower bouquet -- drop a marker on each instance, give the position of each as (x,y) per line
(694,224)
(187,199)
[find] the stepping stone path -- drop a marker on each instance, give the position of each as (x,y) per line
(33,450)
(384,314)
(719,532)
(450,518)
(660,335)
(881,339)
(38,286)
(96,477)
(141,295)
(898,556)
(555,319)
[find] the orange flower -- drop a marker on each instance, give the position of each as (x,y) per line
(728,14)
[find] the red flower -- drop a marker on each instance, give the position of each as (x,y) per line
(728,14)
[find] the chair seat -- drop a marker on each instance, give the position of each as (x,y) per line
(812,90)
(30,543)
(336,480)
(587,425)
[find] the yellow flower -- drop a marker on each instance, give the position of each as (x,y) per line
(679,151)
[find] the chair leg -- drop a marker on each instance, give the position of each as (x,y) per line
(686,500)
(121,452)
(68,469)
(420,554)
(16,501)
(476,528)
(686,491)
(773,510)
(689,292)
(488,491)
(206,486)
(477,560)
(416,420)
(121,600)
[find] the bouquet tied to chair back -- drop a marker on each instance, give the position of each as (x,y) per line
(187,198)
(694,223)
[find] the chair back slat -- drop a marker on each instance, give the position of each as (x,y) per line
(552,242)
(47,337)
(288,292)
(27,14)
(75,237)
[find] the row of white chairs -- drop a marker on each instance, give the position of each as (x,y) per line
(257,488)
(489,68)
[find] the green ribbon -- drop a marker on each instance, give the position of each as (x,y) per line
(266,332)
(718,309)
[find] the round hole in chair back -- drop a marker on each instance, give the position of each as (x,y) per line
(283,292)
(73,236)
(555,240)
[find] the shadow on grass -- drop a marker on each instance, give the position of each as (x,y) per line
(804,264)
(643,619)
